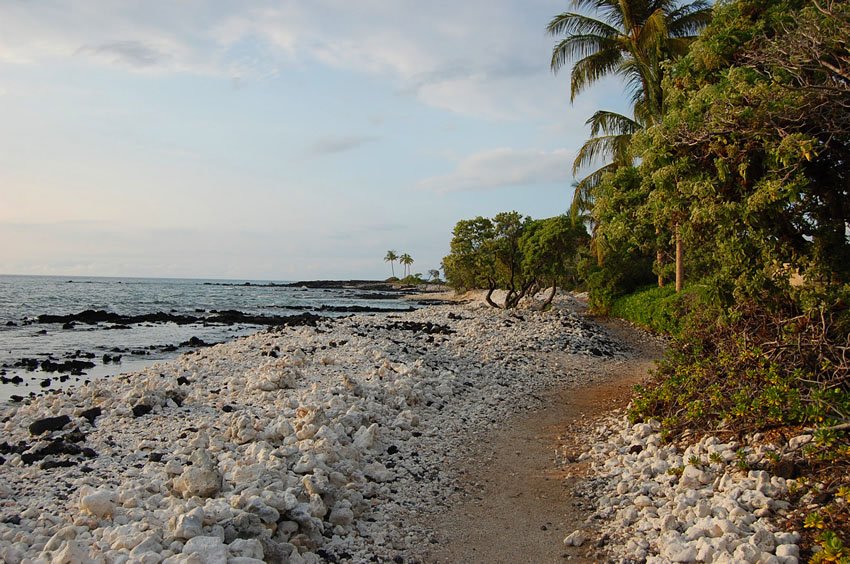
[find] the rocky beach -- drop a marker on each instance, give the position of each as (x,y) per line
(339,441)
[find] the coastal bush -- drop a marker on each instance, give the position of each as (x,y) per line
(514,253)
(759,369)
(661,310)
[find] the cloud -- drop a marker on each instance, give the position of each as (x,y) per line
(331,145)
(132,53)
(481,58)
(499,168)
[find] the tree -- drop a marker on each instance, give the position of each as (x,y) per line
(406,260)
(515,254)
(434,275)
(752,158)
(391,258)
(631,39)
(550,250)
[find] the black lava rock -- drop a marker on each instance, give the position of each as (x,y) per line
(141,409)
(91,414)
(48,424)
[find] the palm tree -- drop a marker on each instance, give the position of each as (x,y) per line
(391,258)
(406,260)
(630,39)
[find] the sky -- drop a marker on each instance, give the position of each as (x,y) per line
(287,140)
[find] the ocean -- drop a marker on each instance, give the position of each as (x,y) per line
(156,320)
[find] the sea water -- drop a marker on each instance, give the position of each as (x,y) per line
(24,298)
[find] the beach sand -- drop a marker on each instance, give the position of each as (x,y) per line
(353,440)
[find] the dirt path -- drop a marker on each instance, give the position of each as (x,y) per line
(518,505)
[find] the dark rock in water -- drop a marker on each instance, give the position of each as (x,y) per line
(91,414)
(11,324)
(69,325)
(46,383)
(42,332)
(16,398)
(376,285)
(48,424)
(195,342)
(28,363)
(169,348)
(72,366)
(141,409)
(80,354)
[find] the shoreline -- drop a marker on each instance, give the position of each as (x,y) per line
(401,437)
(55,351)
(309,441)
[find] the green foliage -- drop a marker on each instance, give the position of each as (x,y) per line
(659,309)
(514,253)
(758,369)
(413,280)
(752,156)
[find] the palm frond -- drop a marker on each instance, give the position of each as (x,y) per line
(591,68)
(578,47)
(583,194)
(690,19)
(614,147)
(652,35)
(611,123)
(571,23)
(610,9)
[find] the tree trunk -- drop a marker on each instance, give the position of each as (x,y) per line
(488,298)
(659,258)
(551,297)
(680,262)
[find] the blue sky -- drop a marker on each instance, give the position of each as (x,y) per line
(274,140)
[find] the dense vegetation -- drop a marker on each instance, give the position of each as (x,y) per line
(517,254)
(741,181)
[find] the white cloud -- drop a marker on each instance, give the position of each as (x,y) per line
(498,168)
(482,58)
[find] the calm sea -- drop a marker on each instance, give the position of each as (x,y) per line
(24,298)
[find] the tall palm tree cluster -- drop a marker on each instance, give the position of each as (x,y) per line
(404,259)
(631,39)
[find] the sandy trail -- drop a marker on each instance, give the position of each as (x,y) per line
(517,504)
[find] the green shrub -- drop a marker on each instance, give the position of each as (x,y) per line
(758,369)
(661,310)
